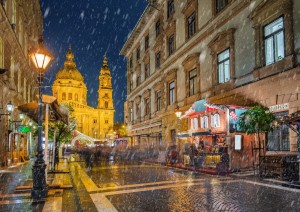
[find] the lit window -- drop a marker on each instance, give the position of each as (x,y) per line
(274,41)
(171,44)
(131,114)
(204,122)
(14,12)
(171,93)
(70,96)
(194,123)
(215,120)
(224,66)
(192,82)
(191,25)
(64,96)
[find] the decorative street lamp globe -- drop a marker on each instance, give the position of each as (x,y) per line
(21,116)
(30,123)
(178,114)
(40,56)
(10,107)
(41,59)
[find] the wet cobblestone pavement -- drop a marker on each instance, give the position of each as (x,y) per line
(144,187)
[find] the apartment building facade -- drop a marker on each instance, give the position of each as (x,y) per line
(224,51)
(21,25)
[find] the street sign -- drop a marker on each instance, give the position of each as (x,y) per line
(23,129)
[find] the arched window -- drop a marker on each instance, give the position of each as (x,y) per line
(70,96)
(215,120)
(63,96)
(204,122)
(106,104)
(76,97)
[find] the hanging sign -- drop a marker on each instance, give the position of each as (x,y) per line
(280,107)
(23,129)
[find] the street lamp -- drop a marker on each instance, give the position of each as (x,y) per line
(10,107)
(41,59)
(30,123)
(21,116)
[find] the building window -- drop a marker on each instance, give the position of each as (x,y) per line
(274,41)
(171,44)
(224,66)
(279,138)
(147,106)
(204,122)
(138,53)
(157,60)
(76,97)
(131,85)
(192,82)
(191,25)
(131,114)
(63,96)
(95,121)
(138,80)
(1,53)
(194,123)
(171,8)
(70,96)
(146,42)
(157,28)
(158,101)
(130,62)
(106,121)
(215,120)
(12,68)
(147,71)
(106,104)
(171,92)
(220,4)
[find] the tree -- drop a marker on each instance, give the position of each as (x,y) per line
(120,128)
(256,120)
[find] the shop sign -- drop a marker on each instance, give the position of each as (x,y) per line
(23,129)
(280,107)
(234,115)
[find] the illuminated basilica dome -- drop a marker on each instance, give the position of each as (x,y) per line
(69,71)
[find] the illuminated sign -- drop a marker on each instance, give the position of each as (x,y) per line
(280,107)
(23,129)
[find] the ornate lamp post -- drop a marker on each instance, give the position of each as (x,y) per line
(41,59)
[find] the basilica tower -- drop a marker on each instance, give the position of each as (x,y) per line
(105,98)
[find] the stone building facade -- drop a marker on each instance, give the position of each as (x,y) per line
(69,88)
(21,25)
(183,51)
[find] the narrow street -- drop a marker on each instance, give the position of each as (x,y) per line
(145,187)
(133,186)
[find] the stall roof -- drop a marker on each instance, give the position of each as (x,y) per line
(56,112)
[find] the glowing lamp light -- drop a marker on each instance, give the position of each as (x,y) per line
(30,123)
(10,107)
(178,114)
(40,56)
(21,116)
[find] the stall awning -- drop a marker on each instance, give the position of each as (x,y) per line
(56,112)
(200,133)
(197,107)
(186,135)
(232,100)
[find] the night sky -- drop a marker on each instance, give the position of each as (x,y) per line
(93,28)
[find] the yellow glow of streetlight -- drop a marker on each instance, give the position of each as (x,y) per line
(178,114)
